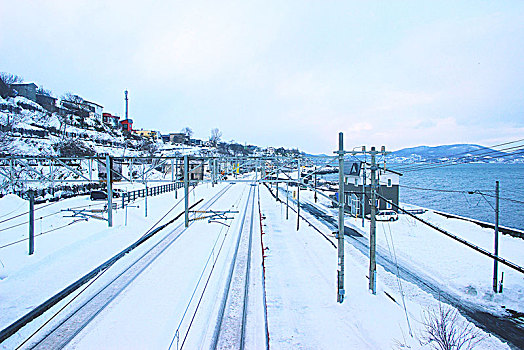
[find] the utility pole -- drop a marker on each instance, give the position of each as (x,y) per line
(495,262)
(340,272)
(373,226)
(186,190)
(298,196)
(109,192)
(31,222)
(127,107)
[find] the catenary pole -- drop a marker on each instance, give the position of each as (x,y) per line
(340,235)
(31,222)
(495,262)
(315,192)
(363,201)
(145,199)
(373,226)
(298,195)
(287,199)
(109,192)
(186,190)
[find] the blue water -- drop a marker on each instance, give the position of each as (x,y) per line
(467,177)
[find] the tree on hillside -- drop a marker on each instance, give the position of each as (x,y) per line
(43,91)
(215,137)
(187,131)
(70,97)
(9,78)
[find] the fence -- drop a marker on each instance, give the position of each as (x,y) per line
(151,191)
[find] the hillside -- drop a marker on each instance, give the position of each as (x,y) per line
(462,153)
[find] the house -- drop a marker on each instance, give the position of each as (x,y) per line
(165,138)
(149,134)
(27,90)
(95,110)
(127,124)
(178,137)
(76,108)
(5,90)
(83,108)
(196,169)
(195,142)
(110,120)
(47,102)
(388,186)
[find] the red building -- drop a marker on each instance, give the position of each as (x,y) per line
(127,124)
(109,119)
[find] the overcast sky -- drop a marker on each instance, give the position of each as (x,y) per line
(284,73)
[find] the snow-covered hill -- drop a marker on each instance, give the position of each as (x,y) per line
(465,153)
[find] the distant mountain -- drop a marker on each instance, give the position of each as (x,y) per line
(461,153)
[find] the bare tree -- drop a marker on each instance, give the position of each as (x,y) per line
(188,131)
(43,91)
(72,98)
(444,330)
(215,137)
(9,78)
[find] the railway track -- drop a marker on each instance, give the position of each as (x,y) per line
(232,323)
(79,316)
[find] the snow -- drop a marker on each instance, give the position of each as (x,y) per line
(300,270)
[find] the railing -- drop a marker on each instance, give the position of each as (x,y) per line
(151,191)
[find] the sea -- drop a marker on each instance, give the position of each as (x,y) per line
(428,188)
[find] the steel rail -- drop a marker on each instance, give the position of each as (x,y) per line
(221,325)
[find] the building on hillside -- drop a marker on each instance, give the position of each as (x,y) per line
(127,125)
(196,169)
(148,134)
(27,90)
(195,142)
(71,107)
(95,110)
(5,90)
(178,137)
(165,138)
(110,120)
(47,102)
(388,186)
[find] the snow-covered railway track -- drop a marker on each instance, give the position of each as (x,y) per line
(230,330)
(80,316)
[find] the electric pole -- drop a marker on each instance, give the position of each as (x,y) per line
(340,272)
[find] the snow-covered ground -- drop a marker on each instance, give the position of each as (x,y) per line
(300,270)
(301,293)
(456,266)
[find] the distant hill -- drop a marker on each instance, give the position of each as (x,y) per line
(461,153)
